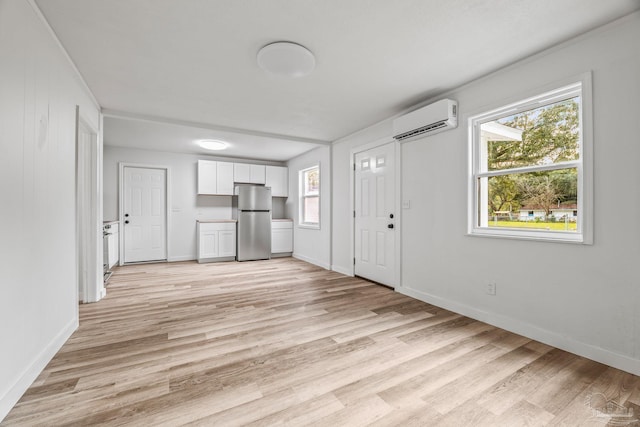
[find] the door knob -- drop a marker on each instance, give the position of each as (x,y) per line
(126,215)
(391,216)
(126,222)
(390,226)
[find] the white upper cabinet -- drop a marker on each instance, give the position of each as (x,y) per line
(225,178)
(241,172)
(215,178)
(218,178)
(277,177)
(248,173)
(207,177)
(257,174)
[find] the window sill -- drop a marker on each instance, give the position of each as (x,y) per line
(541,236)
(310,226)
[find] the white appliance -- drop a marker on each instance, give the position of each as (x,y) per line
(437,117)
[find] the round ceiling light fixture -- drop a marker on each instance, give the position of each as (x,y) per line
(286,59)
(212,144)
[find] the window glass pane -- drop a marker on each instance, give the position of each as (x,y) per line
(311,210)
(545,200)
(540,136)
(311,181)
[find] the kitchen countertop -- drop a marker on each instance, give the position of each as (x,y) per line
(205,221)
(281,219)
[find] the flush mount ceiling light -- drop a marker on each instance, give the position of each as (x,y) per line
(286,59)
(212,144)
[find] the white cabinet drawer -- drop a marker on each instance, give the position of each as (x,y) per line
(217,226)
(282,224)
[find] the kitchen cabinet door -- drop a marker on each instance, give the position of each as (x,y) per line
(281,237)
(227,243)
(242,172)
(207,177)
(257,174)
(208,244)
(224,179)
(114,246)
(277,177)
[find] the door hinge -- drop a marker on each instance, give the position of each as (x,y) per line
(354,261)
(354,166)
(354,214)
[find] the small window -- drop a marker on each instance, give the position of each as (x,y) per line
(310,197)
(528,168)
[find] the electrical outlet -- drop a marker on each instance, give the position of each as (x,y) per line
(491,288)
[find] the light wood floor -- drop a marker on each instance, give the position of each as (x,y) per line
(283,342)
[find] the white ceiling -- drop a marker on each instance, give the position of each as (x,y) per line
(193,62)
(181,138)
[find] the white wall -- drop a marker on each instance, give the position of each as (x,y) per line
(186,206)
(39,91)
(581,298)
(311,245)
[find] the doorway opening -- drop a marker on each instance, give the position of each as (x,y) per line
(89,262)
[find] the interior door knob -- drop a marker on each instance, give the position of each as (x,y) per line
(126,222)
(390,226)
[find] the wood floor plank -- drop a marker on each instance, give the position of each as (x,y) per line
(284,342)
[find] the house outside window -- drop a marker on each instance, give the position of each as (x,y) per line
(310,197)
(528,169)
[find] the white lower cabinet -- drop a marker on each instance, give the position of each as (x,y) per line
(114,245)
(216,241)
(281,238)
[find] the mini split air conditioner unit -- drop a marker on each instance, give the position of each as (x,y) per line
(437,117)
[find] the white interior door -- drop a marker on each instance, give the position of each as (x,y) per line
(145,214)
(375,241)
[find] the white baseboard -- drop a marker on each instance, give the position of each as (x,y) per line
(312,261)
(545,336)
(342,270)
(15,392)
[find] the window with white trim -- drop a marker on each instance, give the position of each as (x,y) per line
(310,197)
(528,169)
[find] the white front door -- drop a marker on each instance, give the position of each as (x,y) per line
(145,214)
(375,241)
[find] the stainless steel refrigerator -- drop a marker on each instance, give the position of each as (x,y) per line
(252,209)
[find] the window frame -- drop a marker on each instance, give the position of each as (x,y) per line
(302,196)
(580,85)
